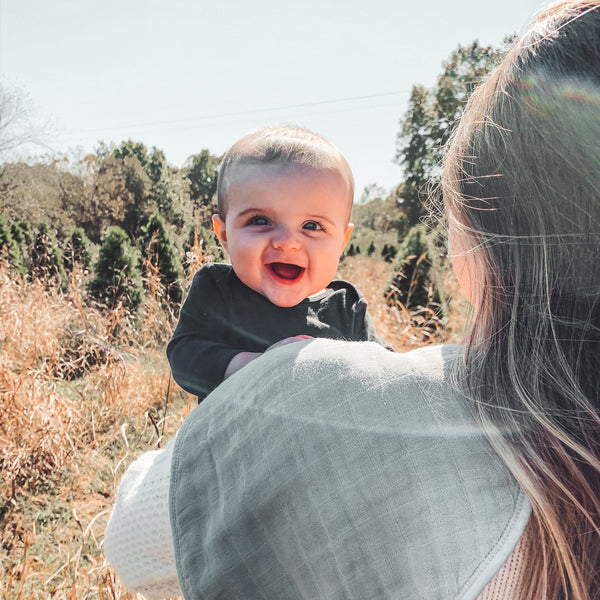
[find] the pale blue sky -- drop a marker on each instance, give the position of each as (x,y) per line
(185,75)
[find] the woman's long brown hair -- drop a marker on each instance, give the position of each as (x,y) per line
(521,184)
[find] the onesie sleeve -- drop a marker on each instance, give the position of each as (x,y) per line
(372,335)
(199,351)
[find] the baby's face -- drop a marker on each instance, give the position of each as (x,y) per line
(285,229)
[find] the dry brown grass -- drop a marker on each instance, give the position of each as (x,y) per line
(404,329)
(82,393)
(77,406)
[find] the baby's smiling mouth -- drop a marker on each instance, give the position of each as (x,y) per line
(286,271)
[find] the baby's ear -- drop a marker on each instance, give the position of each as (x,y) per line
(219,229)
(347,234)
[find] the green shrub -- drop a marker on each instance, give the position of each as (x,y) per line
(413,283)
(46,258)
(159,252)
(23,236)
(117,277)
(9,248)
(77,250)
(389,253)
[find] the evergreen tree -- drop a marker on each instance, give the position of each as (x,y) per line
(391,253)
(22,233)
(154,185)
(159,251)
(130,149)
(46,258)
(416,151)
(371,248)
(201,170)
(23,237)
(413,284)
(350,251)
(77,250)
(117,275)
(169,190)
(9,248)
(385,252)
(138,185)
(123,187)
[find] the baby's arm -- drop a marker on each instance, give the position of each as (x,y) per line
(243,358)
(201,346)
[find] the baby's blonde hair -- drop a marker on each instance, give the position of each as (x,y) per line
(281,145)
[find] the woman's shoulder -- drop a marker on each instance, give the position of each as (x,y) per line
(427,361)
(323,376)
(389,438)
(356,366)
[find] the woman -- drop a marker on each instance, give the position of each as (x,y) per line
(329,469)
(522,191)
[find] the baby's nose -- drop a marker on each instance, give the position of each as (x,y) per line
(285,238)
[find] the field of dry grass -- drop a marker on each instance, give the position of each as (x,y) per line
(404,329)
(82,393)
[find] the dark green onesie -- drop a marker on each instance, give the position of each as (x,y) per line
(222,317)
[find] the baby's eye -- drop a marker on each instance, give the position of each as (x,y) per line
(259,220)
(312,226)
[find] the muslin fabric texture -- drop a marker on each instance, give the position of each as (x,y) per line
(139,542)
(338,470)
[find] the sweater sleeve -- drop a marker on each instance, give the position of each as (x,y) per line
(138,541)
(199,352)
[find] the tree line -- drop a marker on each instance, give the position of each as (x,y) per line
(124,210)
(115,213)
(429,120)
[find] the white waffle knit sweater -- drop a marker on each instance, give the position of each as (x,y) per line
(138,541)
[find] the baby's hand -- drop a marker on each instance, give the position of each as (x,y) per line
(289,340)
(240,360)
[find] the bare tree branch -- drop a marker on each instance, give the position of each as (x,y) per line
(20,129)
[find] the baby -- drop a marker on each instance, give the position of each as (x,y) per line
(284,199)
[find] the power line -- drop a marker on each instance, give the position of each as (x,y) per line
(247,112)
